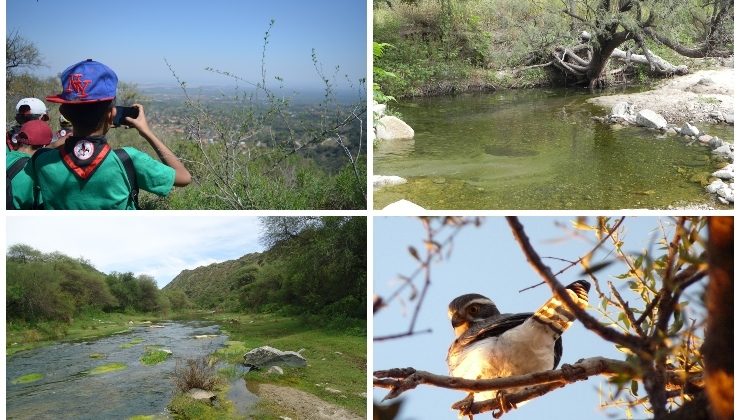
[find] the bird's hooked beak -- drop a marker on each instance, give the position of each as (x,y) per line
(459,323)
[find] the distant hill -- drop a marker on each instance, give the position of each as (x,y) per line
(317,271)
(217,284)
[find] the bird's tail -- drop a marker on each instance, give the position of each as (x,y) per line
(555,314)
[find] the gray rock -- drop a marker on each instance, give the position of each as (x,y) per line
(333,391)
(715,142)
(387,180)
(729,118)
(622,112)
(275,370)
(393,128)
(689,130)
(705,139)
(715,186)
(726,151)
(202,395)
(404,206)
(727,192)
(650,119)
(268,356)
(728,172)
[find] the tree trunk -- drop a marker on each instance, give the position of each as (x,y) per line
(658,65)
(718,346)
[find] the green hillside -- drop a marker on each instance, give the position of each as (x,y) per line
(315,267)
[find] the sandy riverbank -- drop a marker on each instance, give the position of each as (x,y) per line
(706,95)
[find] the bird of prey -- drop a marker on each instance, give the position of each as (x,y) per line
(490,344)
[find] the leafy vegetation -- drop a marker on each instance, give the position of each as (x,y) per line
(107,368)
(446,46)
(314,269)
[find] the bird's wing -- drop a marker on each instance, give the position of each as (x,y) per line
(492,327)
(496,326)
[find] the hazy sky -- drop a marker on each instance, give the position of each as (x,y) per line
(134,37)
(486,260)
(158,244)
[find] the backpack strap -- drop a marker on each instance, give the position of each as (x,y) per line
(14,169)
(128,164)
(36,187)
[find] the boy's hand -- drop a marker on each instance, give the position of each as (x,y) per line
(139,122)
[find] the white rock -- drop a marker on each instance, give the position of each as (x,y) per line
(726,151)
(379,109)
(201,394)
(727,193)
(622,111)
(705,138)
(715,186)
(393,128)
(267,356)
(404,206)
(728,172)
(650,119)
(275,370)
(689,130)
(333,391)
(386,180)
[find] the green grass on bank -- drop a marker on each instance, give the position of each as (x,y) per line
(21,336)
(336,359)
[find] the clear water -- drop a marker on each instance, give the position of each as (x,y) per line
(537,149)
(65,392)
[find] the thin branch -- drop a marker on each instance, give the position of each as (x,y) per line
(634,343)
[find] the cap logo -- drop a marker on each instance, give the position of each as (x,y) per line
(78,85)
(84,149)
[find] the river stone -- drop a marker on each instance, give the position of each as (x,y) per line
(266,355)
(404,206)
(727,192)
(728,172)
(726,151)
(622,111)
(715,142)
(729,118)
(387,180)
(705,139)
(379,109)
(715,186)
(689,130)
(650,119)
(393,128)
(275,370)
(201,395)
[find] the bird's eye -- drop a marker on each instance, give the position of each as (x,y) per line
(474,309)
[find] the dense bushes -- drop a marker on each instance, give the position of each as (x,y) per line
(55,287)
(315,268)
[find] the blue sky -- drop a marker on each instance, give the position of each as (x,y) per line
(160,245)
(135,36)
(486,260)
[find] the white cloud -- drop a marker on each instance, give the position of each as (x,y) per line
(157,244)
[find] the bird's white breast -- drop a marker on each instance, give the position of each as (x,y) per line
(524,349)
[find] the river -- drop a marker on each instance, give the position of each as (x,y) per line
(67,391)
(537,149)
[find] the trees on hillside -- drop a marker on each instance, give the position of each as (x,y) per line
(55,287)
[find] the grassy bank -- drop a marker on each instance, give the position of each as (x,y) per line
(336,360)
(22,336)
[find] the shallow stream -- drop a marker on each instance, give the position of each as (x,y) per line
(66,390)
(537,149)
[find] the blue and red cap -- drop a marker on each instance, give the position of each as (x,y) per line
(85,82)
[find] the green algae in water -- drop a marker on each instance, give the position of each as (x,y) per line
(110,367)
(153,356)
(537,149)
(97,355)
(27,379)
(132,343)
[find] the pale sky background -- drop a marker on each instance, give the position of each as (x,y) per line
(486,260)
(158,244)
(134,36)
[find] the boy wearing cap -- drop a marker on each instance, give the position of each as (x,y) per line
(32,136)
(27,109)
(83,174)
